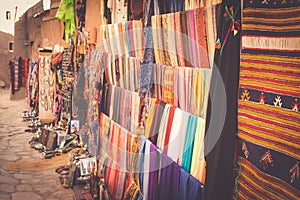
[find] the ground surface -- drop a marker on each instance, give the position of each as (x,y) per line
(14,147)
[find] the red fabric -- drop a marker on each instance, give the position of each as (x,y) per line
(169,126)
(201,37)
(25,76)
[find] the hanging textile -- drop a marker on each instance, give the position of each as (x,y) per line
(175,147)
(268,114)
(189,188)
(20,72)
(178,134)
(192,4)
(66,68)
(158,113)
(185,38)
(80,103)
(47,88)
(145,171)
(28,83)
(123,39)
(188,145)
(16,75)
(179,39)
(187,88)
(66,13)
(198,164)
(153,173)
(136,12)
(118,11)
(150,118)
(33,86)
(163,128)
(104,126)
(148,56)
(25,71)
(166,176)
(122,71)
(93,95)
(135,168)
(167,6)
(138,38)
(12,76)
(80,12)
(167,85)
(169,126)
(146,78)
(219,154)
(135,111)
(125,112)
(211,23)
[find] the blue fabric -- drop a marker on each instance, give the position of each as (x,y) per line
(184,185)
(196,189)
(189,187)
(128,38)
(140,197)
(189,142)
(178,5)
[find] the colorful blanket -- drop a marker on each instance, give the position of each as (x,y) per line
(268,108)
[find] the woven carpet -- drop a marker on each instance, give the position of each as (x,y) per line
(255,184)
(268,107)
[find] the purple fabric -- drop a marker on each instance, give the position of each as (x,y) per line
(189,187)
(176,170)
(153,174)
(166,178)
(184,185)
(196,189)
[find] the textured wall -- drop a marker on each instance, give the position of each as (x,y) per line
(5,57)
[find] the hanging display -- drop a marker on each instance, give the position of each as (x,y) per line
(187,88)
(177,41)
(140,99)
(124,39)
(178,134)
(149,168)
(47,88)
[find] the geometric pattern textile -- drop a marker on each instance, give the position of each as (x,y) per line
(268,107)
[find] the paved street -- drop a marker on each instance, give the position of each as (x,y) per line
(34,184)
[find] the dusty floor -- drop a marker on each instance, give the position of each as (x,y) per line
(14,147)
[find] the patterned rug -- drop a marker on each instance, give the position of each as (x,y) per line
(268,108)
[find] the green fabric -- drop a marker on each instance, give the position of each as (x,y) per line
(66,13)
